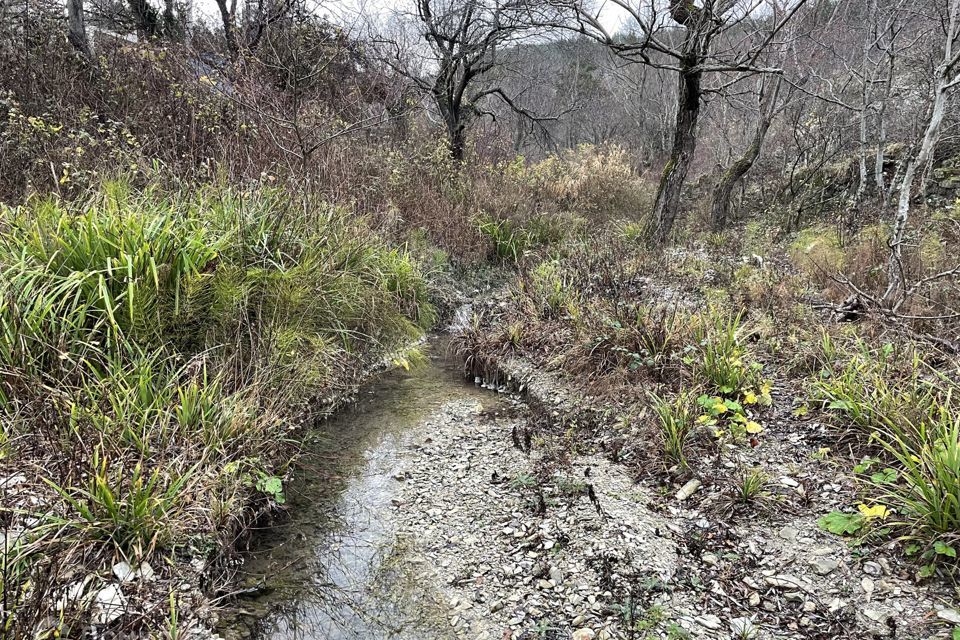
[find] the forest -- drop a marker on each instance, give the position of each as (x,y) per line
(487,319)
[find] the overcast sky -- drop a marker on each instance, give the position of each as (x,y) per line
(347,11)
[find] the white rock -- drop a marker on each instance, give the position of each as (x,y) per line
(688,489)
(584,634)
(709,621)
(124,572)
(950,615)
(109,604)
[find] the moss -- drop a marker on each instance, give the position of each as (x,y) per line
(817,248)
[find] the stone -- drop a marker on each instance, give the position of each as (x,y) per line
(688,489)
(875,614)
(123,572)
(109,604)
(784,581)
(789,533)
(584,634)
(950,615)
(824,566)
(556,575)
(709,621)
(872,569)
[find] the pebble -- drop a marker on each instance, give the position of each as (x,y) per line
(688,489)
(950,615)
(584,634)
(824,566)
(109,604)
(789,533)
(709,621)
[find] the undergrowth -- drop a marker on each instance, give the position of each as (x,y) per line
(157,351)
(904,408)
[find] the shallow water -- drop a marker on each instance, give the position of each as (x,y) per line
(329,569)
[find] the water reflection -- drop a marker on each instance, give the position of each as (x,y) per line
(331,569)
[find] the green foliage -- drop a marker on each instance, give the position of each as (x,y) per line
(509,240)
(907,410)
(751,485)
(721,364)
(159,339)
(840,523)
(134,514)
(676,424)
(551,289)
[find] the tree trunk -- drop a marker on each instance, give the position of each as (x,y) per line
(77,31)
(720,208)
(456,139)
(148,22)
(228,22)
(681,154)
(896,277)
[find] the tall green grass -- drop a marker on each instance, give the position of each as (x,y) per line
(156,347)
(907,409)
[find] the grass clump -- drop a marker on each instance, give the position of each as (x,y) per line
(677,424)
(156,351)
(906,409)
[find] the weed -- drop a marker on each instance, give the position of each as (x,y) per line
(509,241)
(907,411)
(751,486)
(721,364)
(677,424)
(132,514)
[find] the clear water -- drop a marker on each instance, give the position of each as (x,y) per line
(330,569)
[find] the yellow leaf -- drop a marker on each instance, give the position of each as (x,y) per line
(766,388)
(719,408)
(876,511)
(754,427)
(750,398)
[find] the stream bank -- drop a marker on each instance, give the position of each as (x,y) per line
(432,509)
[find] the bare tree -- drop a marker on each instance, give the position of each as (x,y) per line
(946,76)
(693,40)
(77,30)
(457,68)
(731,177)
(245,31)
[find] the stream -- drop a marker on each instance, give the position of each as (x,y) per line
(328,570)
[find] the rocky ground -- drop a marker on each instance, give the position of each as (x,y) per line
(524,547)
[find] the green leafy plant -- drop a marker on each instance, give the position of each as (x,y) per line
(751,485)
(677,423)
